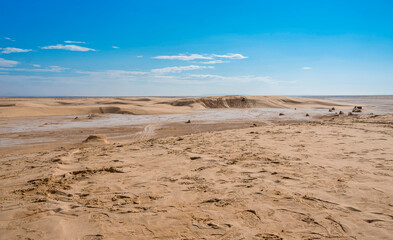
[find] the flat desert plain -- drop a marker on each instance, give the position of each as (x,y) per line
(253,168)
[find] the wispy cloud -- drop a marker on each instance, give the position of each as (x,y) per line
(214,62)
(179,69)
(14,50)
(230,56)
(115,74)
(69,47)
(9,39)
(306,68)
(184,57)
(7,63)
(123,77)
(74,42)
(139,56)
(36,65)
(219,78)
(116,47)
(48,69)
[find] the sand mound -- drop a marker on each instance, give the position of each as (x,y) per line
(109,109)
(254,102)
(96,138)
(228,102)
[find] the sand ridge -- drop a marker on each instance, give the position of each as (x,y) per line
(35,107)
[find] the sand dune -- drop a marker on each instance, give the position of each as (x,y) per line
(35,107)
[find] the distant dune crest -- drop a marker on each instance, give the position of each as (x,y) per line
(34,107)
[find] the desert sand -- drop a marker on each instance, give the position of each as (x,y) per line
(327,176)
(34,107)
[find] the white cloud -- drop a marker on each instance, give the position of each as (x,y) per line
(69,47)
(7,63)
(7,38)
(74,42)
(36,65)
(219,78)
(15,50)
(115,74)
(48,69)
(230,56)
(139,56)
(179,69)
(190,57)
(115,47)
(184,57)
(214,62)
(306,68)
(120,77)
(207,76)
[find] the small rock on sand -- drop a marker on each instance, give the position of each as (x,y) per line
(307,115)
(281,114)
(357,109)
(341,112)
(189,121)
(96,138)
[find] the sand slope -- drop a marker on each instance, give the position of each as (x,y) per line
(302,180)
(29,107)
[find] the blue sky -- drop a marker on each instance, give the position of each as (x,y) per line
(193,48)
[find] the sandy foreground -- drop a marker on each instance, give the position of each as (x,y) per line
(328,176)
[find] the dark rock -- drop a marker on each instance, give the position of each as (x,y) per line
(357,109)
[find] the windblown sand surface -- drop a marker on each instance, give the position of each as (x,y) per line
(34,107)
(329,178)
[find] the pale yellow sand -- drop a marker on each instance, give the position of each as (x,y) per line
(28,107)
(295,180)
